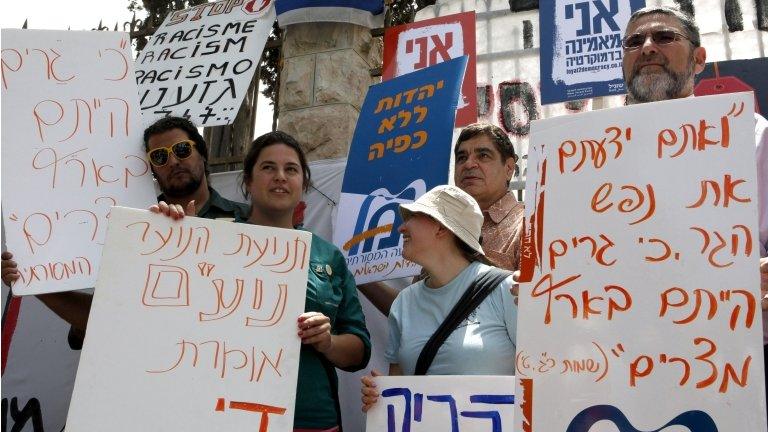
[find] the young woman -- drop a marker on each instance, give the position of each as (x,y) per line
(441,232)
(332,330)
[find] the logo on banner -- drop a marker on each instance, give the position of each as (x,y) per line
(381,206)
(427,46)
(257,7)
(592,19)
(693,421)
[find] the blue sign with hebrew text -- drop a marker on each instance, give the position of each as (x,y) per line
(400,150)
(581,48)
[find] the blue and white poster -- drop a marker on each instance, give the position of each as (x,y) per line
(400,150)
(581,48)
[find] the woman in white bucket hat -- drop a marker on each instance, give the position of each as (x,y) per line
(441,232)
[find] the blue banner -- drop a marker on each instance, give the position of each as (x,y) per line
(400,150)
(581,48)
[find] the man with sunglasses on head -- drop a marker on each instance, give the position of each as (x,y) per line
(662,55)
(178,156)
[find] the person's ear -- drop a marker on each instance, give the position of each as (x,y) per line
(509,168)
(699,59)
(441,230)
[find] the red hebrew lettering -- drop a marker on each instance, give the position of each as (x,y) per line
(223,308)
(166,286)
(265,410)
(601,201)
(277,312)
(728,190)
(644,365)
(122,69)
(548,290)
(183,345)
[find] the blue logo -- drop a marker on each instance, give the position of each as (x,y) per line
(695,421)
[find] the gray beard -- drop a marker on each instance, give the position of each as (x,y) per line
(644,88)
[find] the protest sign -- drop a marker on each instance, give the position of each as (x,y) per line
(38,366)
(581,48)
(193,327)
(72,148)
(642,254)
(414,46)
(401,149)
(443,403)
(199,63)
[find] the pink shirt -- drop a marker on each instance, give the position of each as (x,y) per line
(502,232)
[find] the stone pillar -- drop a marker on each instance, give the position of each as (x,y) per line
(323,82)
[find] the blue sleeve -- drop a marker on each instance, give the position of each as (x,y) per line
(509,308)
(392,352)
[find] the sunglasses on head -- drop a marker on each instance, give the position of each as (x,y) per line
(181,150)
(659,37)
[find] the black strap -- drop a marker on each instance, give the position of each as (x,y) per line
(469,301)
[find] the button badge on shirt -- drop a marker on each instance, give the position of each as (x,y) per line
(327,269)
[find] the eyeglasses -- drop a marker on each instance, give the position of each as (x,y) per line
(659,37)
(182,150)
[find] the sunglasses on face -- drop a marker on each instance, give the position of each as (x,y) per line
(181,150)
(659,37)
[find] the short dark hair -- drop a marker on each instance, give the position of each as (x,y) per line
(689,24)
(470,254)
(266,140)
(495,133)
(169,123)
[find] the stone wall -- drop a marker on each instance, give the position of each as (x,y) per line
(325,76)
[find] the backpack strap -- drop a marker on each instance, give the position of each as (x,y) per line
(480,288)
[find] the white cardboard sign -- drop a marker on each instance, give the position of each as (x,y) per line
(643,308)
(193,327)
(200,61)
(443,403)
(72,148)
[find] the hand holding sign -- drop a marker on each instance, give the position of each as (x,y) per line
(174,211)
(10,271)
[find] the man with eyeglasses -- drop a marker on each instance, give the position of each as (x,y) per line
(662,55)
(178,156)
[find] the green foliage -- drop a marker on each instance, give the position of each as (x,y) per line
(400,12)
(404,11)
(270,66)
(156,13)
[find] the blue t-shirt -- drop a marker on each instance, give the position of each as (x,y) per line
(483,345)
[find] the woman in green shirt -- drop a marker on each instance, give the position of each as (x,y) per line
(332,328)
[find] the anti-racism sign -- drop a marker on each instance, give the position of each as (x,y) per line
(193,327)
(655,293)
(401,148)
(71,150)
(443,403)
(414,46)
(581,48)
(200,61)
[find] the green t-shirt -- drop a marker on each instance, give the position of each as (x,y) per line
(218,207)
(331,290)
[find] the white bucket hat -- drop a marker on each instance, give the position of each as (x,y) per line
(454,209)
